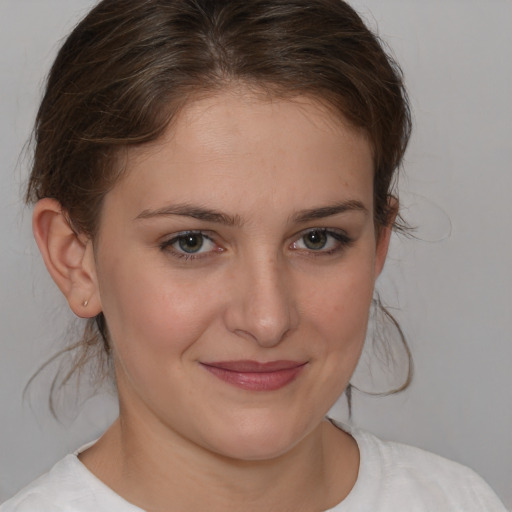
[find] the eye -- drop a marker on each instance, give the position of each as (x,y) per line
(322,241)
(190,244)
(315,240)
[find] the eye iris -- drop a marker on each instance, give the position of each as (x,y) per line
(315,240)
(191,243)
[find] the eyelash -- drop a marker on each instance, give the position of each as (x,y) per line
(341,240)
(167,245)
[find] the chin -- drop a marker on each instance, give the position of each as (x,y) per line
(254,439)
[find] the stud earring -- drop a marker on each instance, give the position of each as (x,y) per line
(85,303)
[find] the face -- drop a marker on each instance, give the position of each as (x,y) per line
(236,261)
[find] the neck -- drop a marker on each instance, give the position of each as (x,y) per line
(158,470)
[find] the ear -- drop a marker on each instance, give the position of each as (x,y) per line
(68,256)
(384,236)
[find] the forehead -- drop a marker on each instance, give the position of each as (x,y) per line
(253,147)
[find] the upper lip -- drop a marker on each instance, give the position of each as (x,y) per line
(247,366)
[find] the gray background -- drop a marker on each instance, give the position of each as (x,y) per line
(451,289)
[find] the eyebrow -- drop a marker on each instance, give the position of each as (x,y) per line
(329,211)
(208,215)
(196,212)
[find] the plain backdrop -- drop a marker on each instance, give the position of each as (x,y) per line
(450,287)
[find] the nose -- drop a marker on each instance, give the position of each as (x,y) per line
(262,306)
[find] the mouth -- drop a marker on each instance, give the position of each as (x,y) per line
(256,376)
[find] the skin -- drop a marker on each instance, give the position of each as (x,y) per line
(255,290)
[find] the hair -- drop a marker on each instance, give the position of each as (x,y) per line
(129,66)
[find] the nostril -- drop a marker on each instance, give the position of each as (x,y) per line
(262,306)
(267,328)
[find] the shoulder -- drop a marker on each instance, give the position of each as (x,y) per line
(398,477)
(67,487)
(43,494)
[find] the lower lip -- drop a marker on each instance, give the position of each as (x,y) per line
(256,381)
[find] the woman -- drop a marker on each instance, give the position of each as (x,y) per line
(212,187)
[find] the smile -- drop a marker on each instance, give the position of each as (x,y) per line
(256,376)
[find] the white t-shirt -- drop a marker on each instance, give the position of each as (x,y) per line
(392,478)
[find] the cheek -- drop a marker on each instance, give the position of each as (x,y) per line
(149,313)
(339,316)
(341,308)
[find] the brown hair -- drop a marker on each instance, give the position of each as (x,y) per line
(130,65)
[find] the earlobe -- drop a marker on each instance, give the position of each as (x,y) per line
(68,257)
